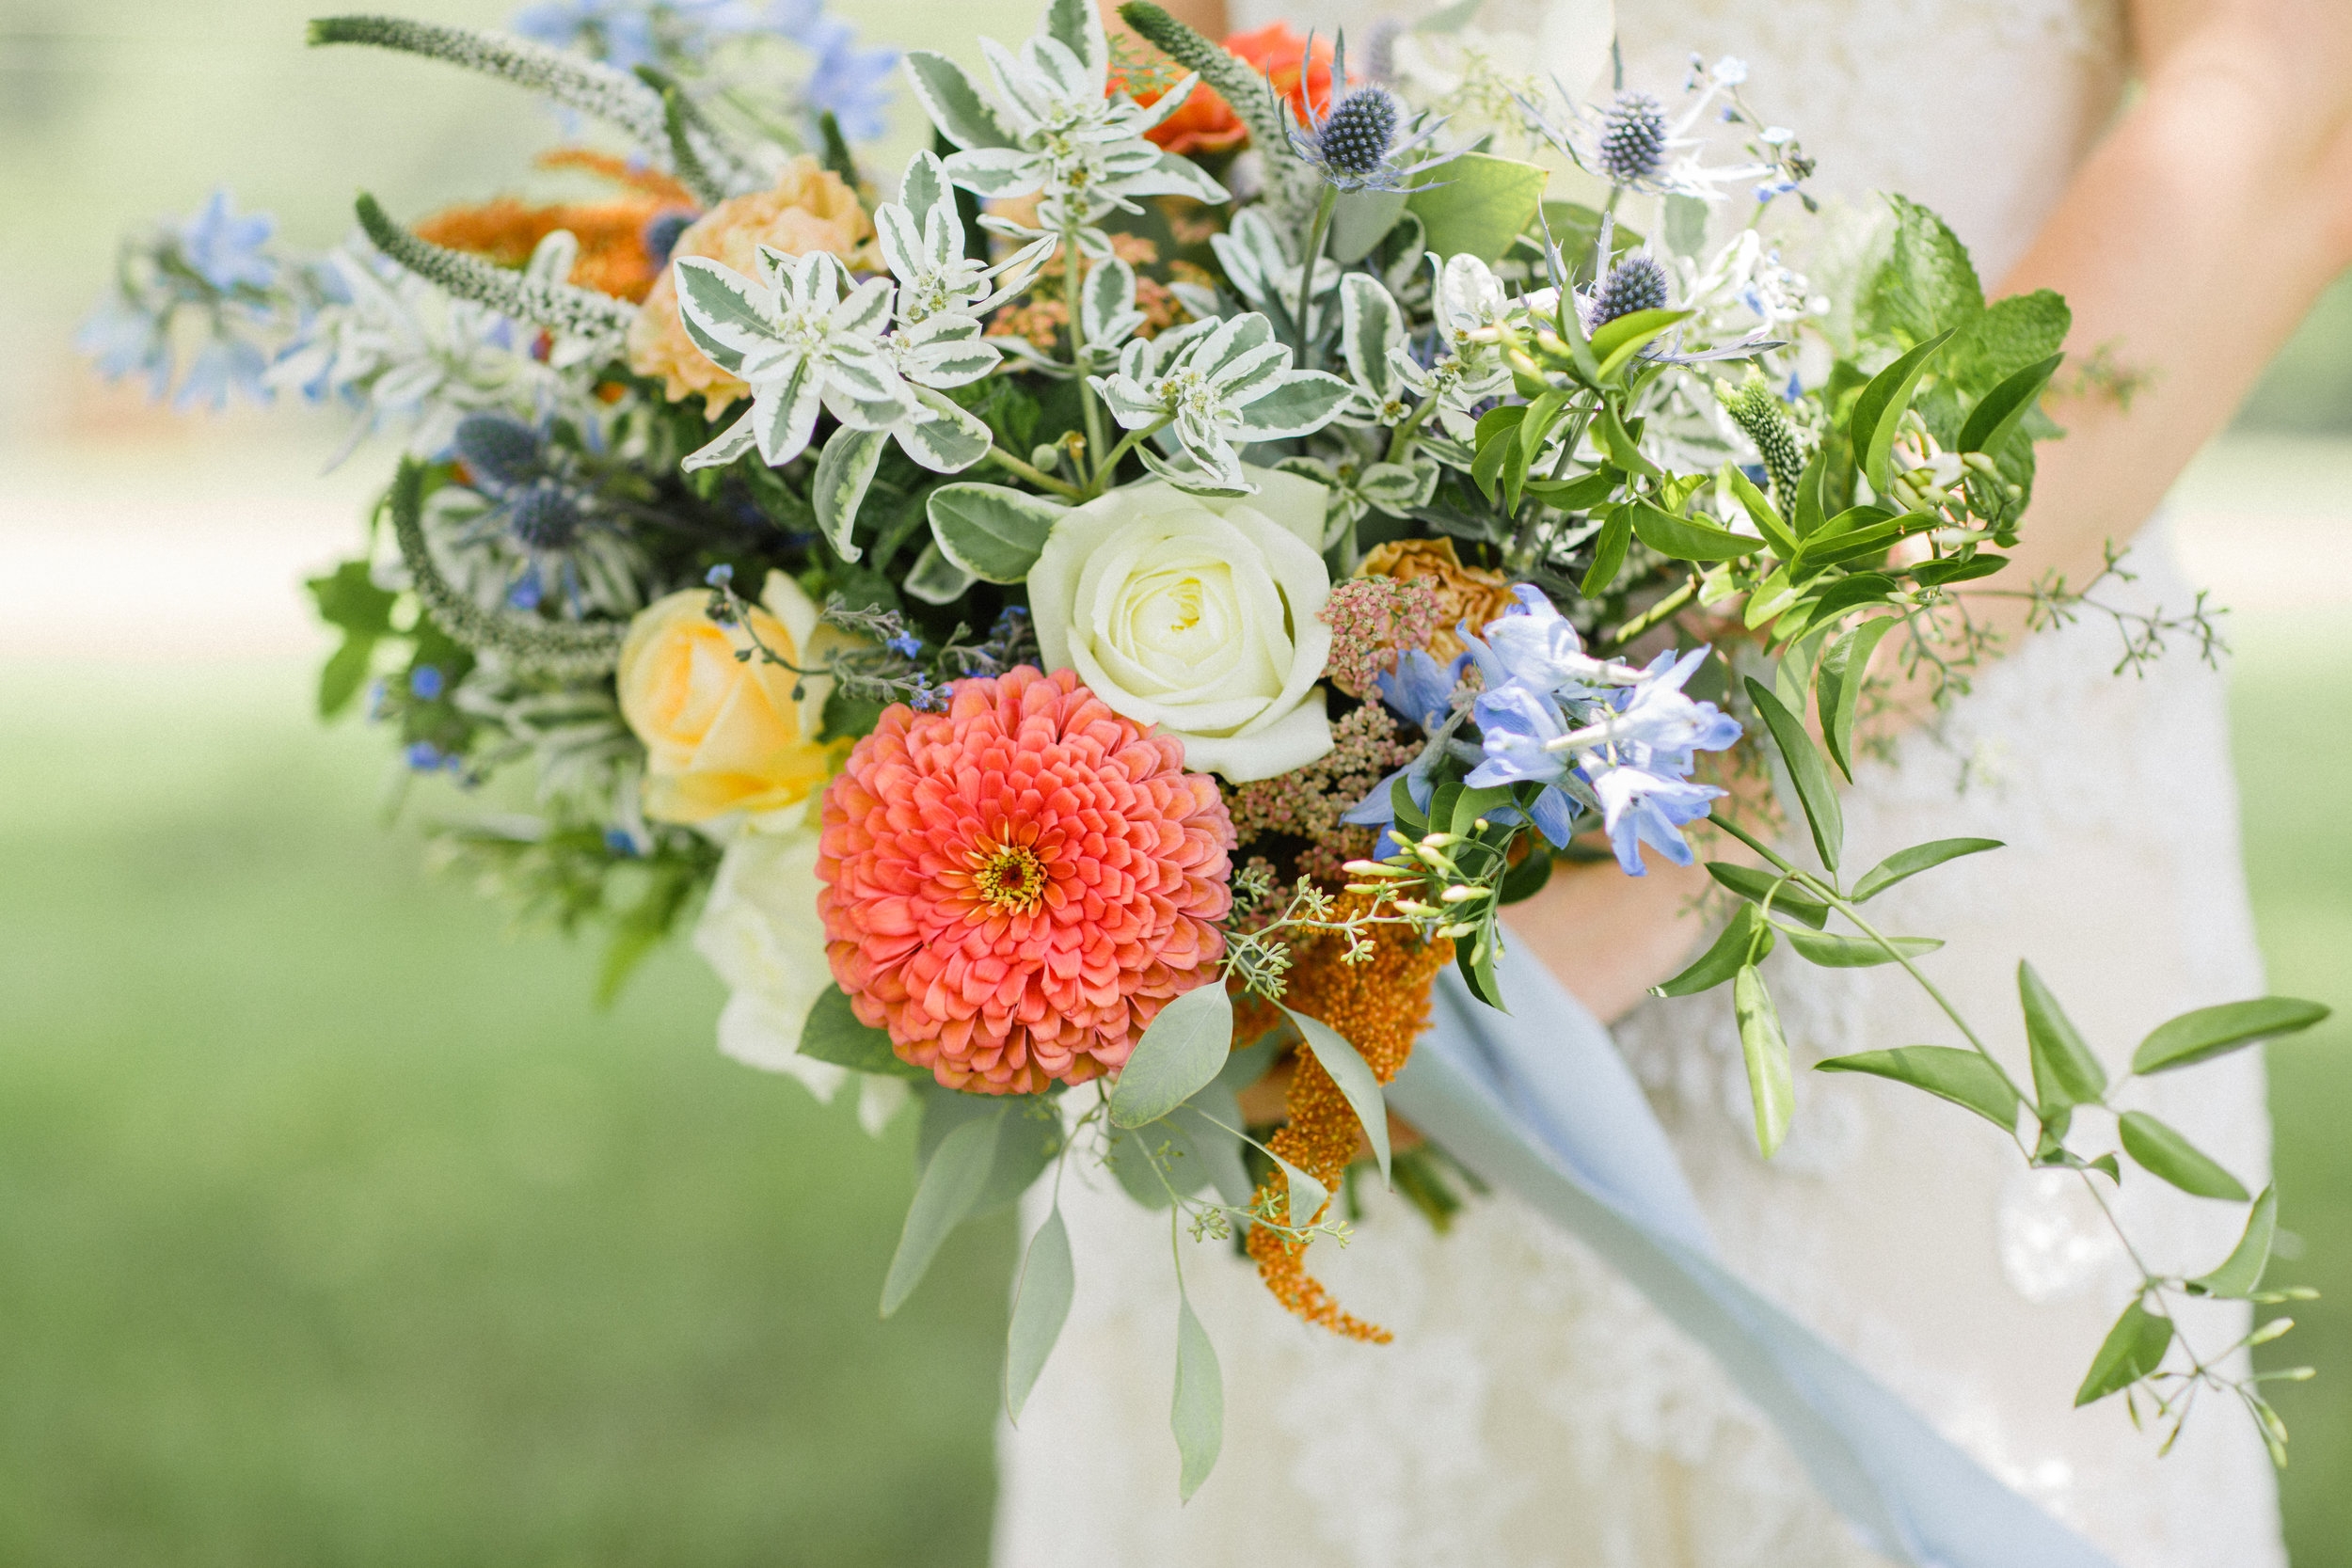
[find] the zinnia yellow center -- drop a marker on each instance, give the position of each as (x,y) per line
(1009,876)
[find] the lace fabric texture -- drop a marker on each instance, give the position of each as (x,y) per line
(1535,1410)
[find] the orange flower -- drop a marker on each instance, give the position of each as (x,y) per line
(810,209)
(1016,887)
(1464,593)
(611,234)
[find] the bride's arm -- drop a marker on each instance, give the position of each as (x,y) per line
(2188,247)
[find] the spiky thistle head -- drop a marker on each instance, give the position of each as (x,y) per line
(547,518)
(1636,283)
(1352,141)
(499,449)
(1632,138)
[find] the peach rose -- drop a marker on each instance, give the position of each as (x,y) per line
(1464,593)
(725,736)
(810,209)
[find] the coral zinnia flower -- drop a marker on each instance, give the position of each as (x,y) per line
(1016,886)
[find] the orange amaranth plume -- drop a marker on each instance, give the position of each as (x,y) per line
(1380,1007)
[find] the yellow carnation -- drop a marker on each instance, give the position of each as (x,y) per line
(810,209)
(725,735)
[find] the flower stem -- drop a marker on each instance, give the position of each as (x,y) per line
(1315,233)
(1034,475)
(1127,443)
(1403,435)
(1073,279)
(1655,614)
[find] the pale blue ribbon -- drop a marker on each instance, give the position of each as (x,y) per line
(1537,1102)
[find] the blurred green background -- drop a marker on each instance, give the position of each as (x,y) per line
(336,1227)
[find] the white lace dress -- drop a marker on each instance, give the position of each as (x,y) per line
(1535,1410)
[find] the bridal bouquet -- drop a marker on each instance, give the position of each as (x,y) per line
(1127,597)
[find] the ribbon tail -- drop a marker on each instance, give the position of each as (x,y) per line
(1538,1101)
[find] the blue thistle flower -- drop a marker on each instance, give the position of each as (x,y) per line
(1352,141)
(500,450)
(1636,283)
(662,234)
(1632,138)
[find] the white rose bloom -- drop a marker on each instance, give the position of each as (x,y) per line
(760,932)
(1197,613)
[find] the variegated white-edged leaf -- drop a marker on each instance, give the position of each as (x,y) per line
(1157,111)
(953,103)
(1173,175)
(1372,329)
(1304,402)
(1025,99)
(844,470)
(725,313)
(990,531)
(1396,487)
(1076,27)
(1060,65)
(936,579)
(1129,402)
(1251,373)
(785,415)
(1232,339)
(1209,470)
(997,172)
(730,444)
(923,185)
(951,357)
(1108,304)
(942,436)
(901,241)
(867,312)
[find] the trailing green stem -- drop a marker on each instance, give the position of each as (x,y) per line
(1325,206)
(1034,475)
(1107,469)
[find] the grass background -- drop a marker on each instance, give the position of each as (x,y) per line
(337,1228)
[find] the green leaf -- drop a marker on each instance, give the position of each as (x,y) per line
(936,579)
(1041,1304)
(2065,1073)
(1579,493)
(348,598)
(1839,686)
(1761,512)
(1354,1076)
(1306,1198)
(1878,412)
(2004,407)
(344,674)
(1812,510)
(2211,1032)
(990,531)
(1477,204)
(1927,281)
(1198,1413)
(1754,883)
(1616,343)
(1608,549)
(2134,1346)
(1527,879)
(1905,863)
(945,1196)
(1836,952)
(1937,574)
(2161,1151)
(1963,1077)
(1730,953)
(1359,221)
(2005,337)
(833,1034)
(1495,439)
(1767,1052)
(1806,771)
(1203,1121)
(844,470)
(2241,1274)
(1688,538)
(1178,1054)
(1624,450)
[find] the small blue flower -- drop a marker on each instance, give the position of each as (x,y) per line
(719,576)
(126,341)
(848,81)
(222,367)
(226,251)
(1658,726)
(1420,690)
(620,841)
(1642,807)
(425,683)
(1534,646)
(906,645)
(422,756)
(618,32)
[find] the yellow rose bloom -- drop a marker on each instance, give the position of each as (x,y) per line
(810,209)
(723,735)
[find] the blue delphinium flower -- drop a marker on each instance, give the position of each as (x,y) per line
(618,32)
(1420,690)
(847,80)
(1642,807)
